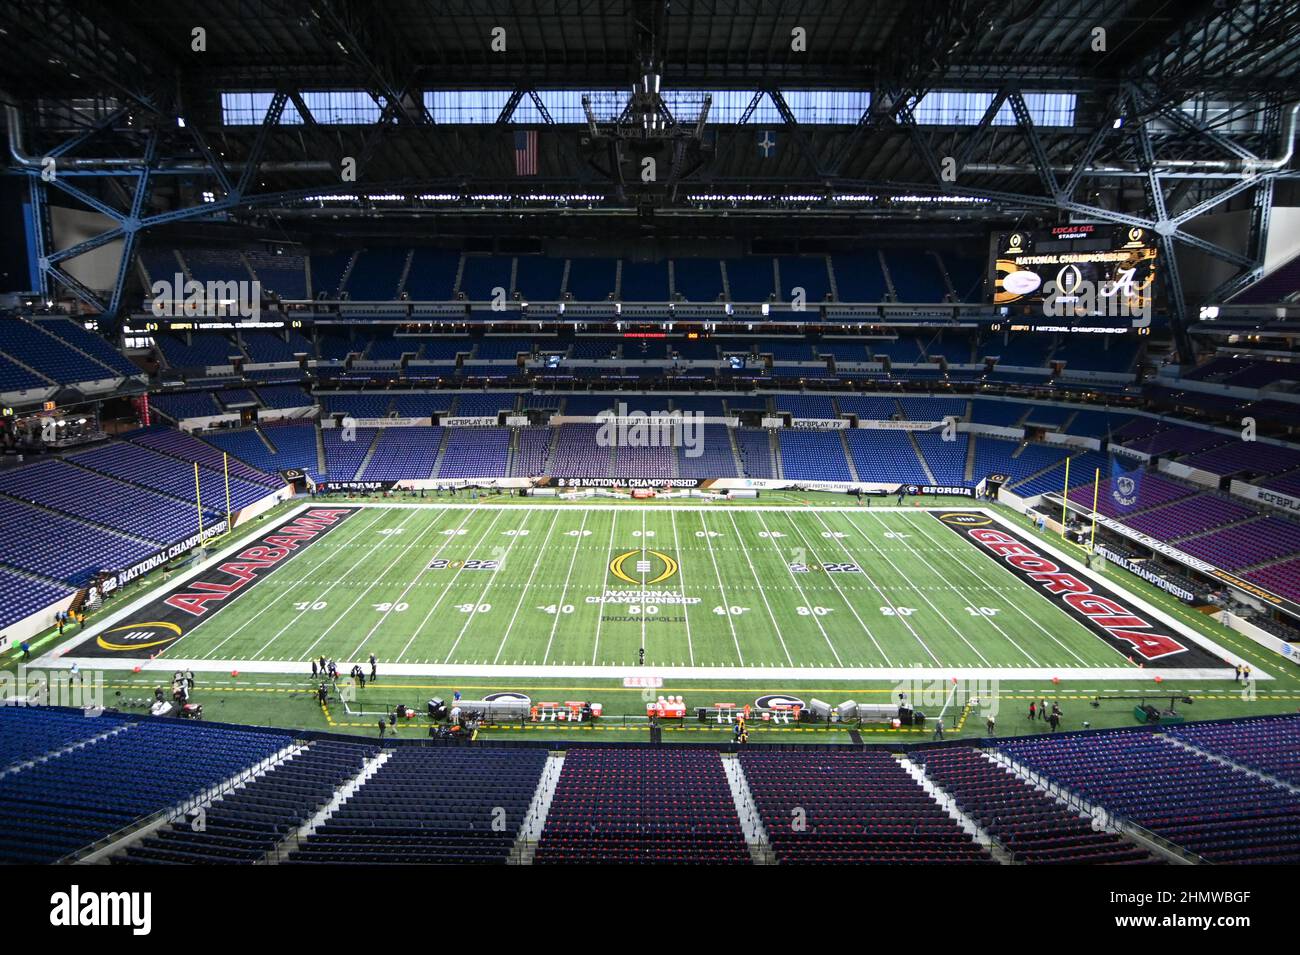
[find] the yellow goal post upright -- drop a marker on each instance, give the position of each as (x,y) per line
(1096,490)
(1065,499)
(198,501)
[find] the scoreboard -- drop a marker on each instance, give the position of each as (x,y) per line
(1076,271)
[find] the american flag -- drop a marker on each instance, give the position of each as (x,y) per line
(526,152)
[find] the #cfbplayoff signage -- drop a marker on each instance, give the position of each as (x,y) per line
(819,424)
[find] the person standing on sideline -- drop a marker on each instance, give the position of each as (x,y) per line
(938,728)
(990,724)
(1054,720)
(27,650)
(1042,709)
(1033,710)
(374,670)
(381,729)
(313,671)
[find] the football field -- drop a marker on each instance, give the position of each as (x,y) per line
(502,586)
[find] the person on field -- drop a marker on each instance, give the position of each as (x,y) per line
(1033,710)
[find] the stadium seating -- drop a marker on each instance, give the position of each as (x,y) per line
(475,453)
(578,455)
(284,396)
(858,807)
(1245,544)
(100,500)
(1223,815)
(715,458)
(532,453)
(401,454)
(655,807)
(49,354)
(813,456)
(22,595)
(88,343)
(284,273)
(245,824)
(63,548)
(884,456)
(1269,745)
(55,807)
(1032,826)
(946,459)
(755,450)
(173,476)
(438,805)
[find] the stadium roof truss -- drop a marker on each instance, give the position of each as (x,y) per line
(1173,110)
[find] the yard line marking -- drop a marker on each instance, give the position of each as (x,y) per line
(831,578)
(722,590)
(799,587)
(488,586)
(943,616)
(400,554)
(776,628)
(334,552)
(1022,613)
(524,592)
(604,581)
(686,613)
(888,603)
(454,577)
(565,589)
(418,575)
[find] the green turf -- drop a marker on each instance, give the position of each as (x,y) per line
(734,597)
(949,573)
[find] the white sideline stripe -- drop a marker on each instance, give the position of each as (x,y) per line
(1126,674)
